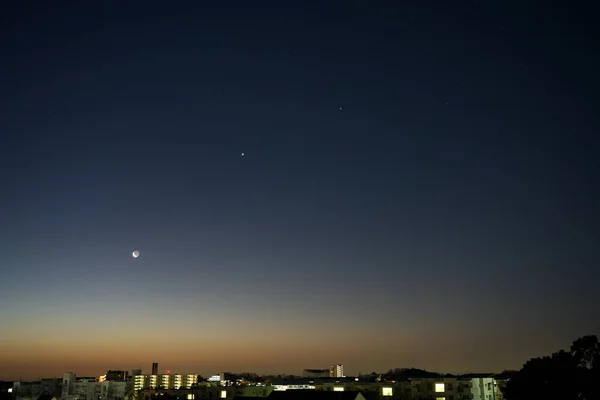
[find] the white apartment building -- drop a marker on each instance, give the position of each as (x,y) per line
(165,381)
(336,371)
(461,388)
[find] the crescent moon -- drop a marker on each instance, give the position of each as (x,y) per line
(135,254)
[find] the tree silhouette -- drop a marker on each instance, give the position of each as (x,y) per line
(563,375)
(408,373)
(587,350)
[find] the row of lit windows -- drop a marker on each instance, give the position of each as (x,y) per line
(166,377)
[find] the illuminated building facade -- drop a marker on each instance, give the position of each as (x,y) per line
(113,376)
(336,371)
(164,381)
(462,388)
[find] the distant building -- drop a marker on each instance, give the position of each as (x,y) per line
(74,388)
(154,368)
(51,386)
(113,376)
(316,395)
(204,393)
(253,391)
(33,390)
(293,384)
(315,373)
(336,371)
(164,381)
(135,372)
(460,388)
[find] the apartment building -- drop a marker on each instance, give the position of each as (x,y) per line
(74,388)
(164,381)
(70,387)
(336,371)
(455,388)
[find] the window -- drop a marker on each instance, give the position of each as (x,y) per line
(338,388)
(440,398)
(386,391)
(223,394)
(440,388)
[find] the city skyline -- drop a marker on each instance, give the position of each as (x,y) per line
(169,368)
(141,371)
(403,184)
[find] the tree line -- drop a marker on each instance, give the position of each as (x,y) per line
(565,375)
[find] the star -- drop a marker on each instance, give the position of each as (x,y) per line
(242,154)
(340,108)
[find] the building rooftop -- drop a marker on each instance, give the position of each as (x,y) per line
(314,395)
(313,380)
(471,376)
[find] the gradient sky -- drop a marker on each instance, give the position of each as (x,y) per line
(446,217)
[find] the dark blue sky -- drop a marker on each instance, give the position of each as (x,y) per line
(419,180)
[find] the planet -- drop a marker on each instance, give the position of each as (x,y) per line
(135,254)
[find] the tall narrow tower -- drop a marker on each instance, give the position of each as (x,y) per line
(67,384)
(154,368)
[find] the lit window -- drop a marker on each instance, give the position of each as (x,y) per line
(440,398)
(223,394)
(191,396)
(338,388)
(386,391)
(439,388)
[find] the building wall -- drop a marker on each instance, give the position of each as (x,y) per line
(336,371)
(450,389)
(353,386)
(165,381)
(70,388)
(254,391)
(204,393)
(484,389)
(33,390)
(67,384)
(85,389)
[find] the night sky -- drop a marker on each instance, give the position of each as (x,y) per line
(419,185)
